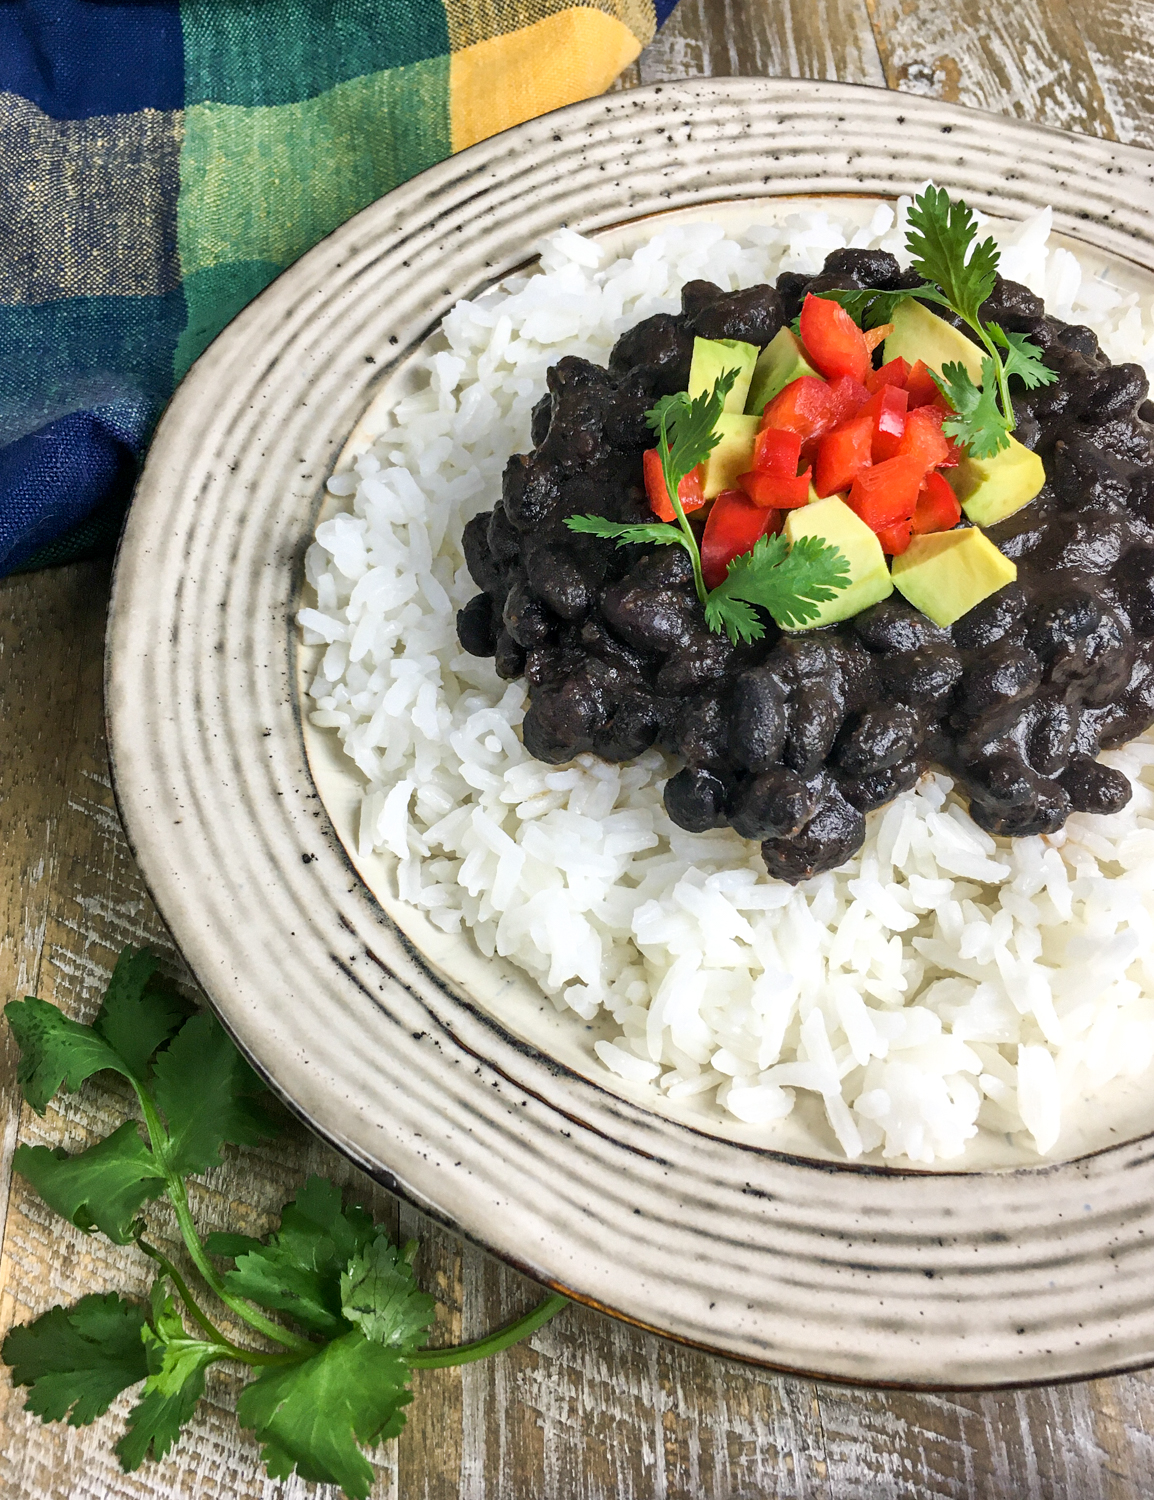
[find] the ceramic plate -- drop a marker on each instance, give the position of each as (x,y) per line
(443,1075)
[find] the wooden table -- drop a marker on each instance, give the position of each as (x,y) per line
(590,1409)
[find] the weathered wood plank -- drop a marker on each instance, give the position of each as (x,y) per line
(1117,38)
(1027,59)
(783,39)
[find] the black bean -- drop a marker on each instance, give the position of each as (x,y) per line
(529,491)
(631,728)
(1118,392)
(697,295)
(754,315)
(776,804)
(702,660)
(875,268)
(539,421)
(1010,302)
(1052,735)
(881,737)
(925,677)
(526,618)
(504,539)
(1098,665)
(879,787)
(991,620)
(1009,798)
(695,799)
(1133,578)
(1003,676)
(484,569)
(653,608)
(662,347)
(561,721)
(894,625)
(557,578)
(476,628)
(815,715)
(508,657)
(1095,789)
(700,732)
(1061,621)
(757,719)
(832,835)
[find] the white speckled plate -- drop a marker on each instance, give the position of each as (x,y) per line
(429,1067)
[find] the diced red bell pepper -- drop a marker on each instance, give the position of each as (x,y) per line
(833,340)
(842,454)
(689,491)
(776,451)
(887,493)
(894,372)
(922,386)
(937,508)
(776,491)
(804,407)
(875,336)
(847,397)
(733,525)
(923,438)
(887,410)
(895,539)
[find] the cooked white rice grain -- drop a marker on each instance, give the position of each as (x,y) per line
(940,982)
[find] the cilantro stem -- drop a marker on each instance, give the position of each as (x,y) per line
(178,1196)
(999,367)
(672,485)
(492,1343)
(228,1349)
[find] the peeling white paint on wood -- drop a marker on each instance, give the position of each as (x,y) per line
(589,1409)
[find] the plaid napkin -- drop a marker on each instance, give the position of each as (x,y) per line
(162,160)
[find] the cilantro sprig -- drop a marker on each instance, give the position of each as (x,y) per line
(328,1290)
(788,584)
(959,273)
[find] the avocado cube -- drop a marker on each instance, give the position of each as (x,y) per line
(990,489)
(733,454)
(833,521)
(779,364)
(945,573)
(712,358)
(919,334)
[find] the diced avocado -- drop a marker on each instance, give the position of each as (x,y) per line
(990,489)
(920,334)
(833,521)
(781,362)
(712,358)
(945,573)
(733,454)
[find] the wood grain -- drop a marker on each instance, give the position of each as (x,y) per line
(589,1409)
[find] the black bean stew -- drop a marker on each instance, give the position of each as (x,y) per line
(791,740)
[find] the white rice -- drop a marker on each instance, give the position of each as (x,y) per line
(940,982)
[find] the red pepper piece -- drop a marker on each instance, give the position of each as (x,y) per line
(689,491)
(895,539)
(776,491)
(833,340)
(734,524)
(887,493)
(922,386)
(923,438)
(847,396)
(776,451)
(842,454)
(804,407)
(894,372)
(887,410)
(937,508)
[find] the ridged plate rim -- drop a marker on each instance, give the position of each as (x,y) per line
(933,1280)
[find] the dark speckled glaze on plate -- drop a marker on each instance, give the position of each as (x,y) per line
(935,1279)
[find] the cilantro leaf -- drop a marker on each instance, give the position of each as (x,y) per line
(311,1416)
(139,1012)
(1022,358)
(101,1188)
(78,1359)
(660,532)
(685,427)
(176,1365)
(299,1270)
(208,1094)
(789,582)
(869,307)
(979,422)
(940,238)
(54,1051)
(379,1294)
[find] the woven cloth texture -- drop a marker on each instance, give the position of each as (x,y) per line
(162,160)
